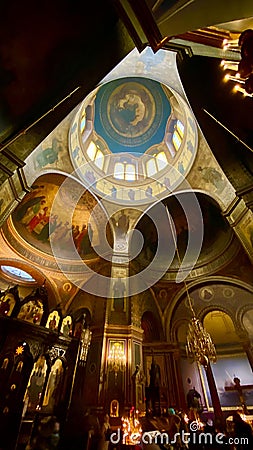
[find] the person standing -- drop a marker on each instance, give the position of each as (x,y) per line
(243,436)
(104,434)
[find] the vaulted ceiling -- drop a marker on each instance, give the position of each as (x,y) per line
(68,47)
(50,59)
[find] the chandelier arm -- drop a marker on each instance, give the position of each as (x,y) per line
(180,263)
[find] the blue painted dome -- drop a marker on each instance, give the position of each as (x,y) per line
(131,114)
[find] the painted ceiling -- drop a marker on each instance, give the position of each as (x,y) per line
(131,114)
(55,218)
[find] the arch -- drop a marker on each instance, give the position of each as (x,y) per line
(204,307)
(220,326)
(69,227)
(150,326)
(147,301)
(188,189)
(180,330)
(204,213)
(74,176)
(81,303)
(79,313)
(40,279)
(35,272)
(245,320)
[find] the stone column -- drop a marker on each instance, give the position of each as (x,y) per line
(214,395)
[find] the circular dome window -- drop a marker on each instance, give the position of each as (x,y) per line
(17,273)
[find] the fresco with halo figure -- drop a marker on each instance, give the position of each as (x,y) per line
(65,224)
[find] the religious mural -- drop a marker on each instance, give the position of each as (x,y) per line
(31,311)
(53,321)
(137,122)
(132,112)
(35,385)
(49,155)
(66,326)
(52,152)
(9,301)
(54,386)
(64,224)
(7,304)
(213,178)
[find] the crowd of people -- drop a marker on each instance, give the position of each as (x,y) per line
(168,429)
(174,432)
(180,432)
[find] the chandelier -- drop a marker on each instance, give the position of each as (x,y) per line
(116,357)
(240,71)
(199,344)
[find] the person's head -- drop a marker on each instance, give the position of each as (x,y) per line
(236,417)
(237,381)
(48,426)
(106,418)
(209,422)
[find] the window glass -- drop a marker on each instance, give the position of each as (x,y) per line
(18,273)
(161,160)
(91,151)
(119,171)
(83,122)
(176,139)
(151,167)
(99,159)
(180,128)
(130,172)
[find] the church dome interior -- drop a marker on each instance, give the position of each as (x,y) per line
(126,222)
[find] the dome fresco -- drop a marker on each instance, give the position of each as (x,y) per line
(133,139)
(131,114)
(55,216)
